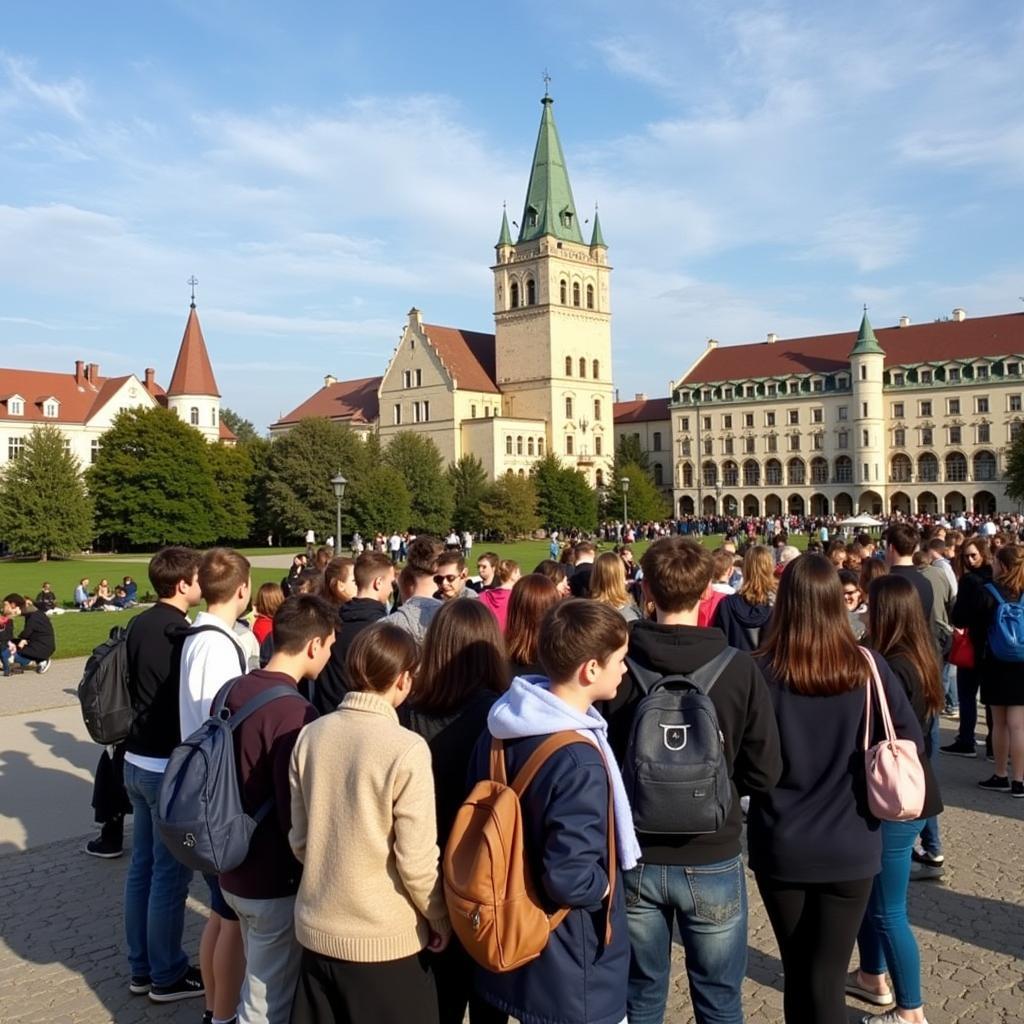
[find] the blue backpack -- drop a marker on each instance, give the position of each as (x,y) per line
(199,812)
(1006,634)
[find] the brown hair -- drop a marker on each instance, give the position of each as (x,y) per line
(269,598)
(897,626)
(490,557)
(463,654)
(677,571)
(451,557)
(552,570)
(584,547)
(379,655)
(337,572)
(169,566)
(369,565)
(575,631)
(980,544)
(300,619)
(903,538)
(759,579)
(870,570)
(221,572)
(721,563)
(608,581)
(531,597)
(421,555)
(1011,562)
(505,570)
(809,644)
(323,557)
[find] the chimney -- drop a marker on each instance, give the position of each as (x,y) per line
(415,320)
(772,337)
(149,381)
(329,379)
(639,396)
(93,372)
(904,321)
(959,314)
(80,371)
(712,343)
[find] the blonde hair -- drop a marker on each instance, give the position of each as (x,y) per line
(759,580)
(608,581)
(505,570)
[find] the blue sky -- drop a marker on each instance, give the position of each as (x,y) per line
(321,167)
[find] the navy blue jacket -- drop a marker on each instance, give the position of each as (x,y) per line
(577,979)
(742,623)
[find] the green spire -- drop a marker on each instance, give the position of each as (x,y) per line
(549,208)
(505,238)
(597,239)
(867,343)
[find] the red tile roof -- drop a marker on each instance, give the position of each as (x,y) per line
(468,356)
(643,410)
(352,401)
(193,374)
(226,433)
(80,396)
(942,341)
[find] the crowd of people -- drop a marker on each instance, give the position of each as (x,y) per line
(419,682)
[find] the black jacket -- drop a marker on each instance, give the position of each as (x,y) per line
(975,610)
(744,716)
(353,618)
(742,622)
(38,631)
(907,675)
(579,581)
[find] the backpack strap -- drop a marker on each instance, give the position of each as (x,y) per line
(195,630)
(702,679)
(646,678)
(994,591)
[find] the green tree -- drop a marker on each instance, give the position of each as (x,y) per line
(467,481)
(263,522)
(420,465)
(377,499)
(151,482)
(645,503)
(243,429)
(45,508)
(630,451)
(299,495)
(510,507)
(232,469)
(564,498)
(1015,468)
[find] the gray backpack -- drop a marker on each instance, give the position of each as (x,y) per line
(675,771)
(199,813)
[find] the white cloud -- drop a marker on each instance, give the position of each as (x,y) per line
(67,98)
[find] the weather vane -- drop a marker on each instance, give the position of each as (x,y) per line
(192,282)
(547,82)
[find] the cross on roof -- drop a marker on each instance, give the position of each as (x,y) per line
(192,282)
(547,81)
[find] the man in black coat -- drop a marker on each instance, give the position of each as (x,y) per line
(36,642)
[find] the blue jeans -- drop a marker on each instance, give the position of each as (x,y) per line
(930,841)
(155,889)
(709,906)
(949,674)
(967,682)
(885,938)
(6,657)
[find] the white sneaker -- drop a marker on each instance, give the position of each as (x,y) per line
(43,666)
(889,1017)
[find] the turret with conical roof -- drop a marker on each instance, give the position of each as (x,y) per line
(505,237)
(867,369)
(867,343)
(192,392)
(596,238)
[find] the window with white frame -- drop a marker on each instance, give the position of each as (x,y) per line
(15,447)
(50,408)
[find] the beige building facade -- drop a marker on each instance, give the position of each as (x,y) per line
(648,422)
(915,419)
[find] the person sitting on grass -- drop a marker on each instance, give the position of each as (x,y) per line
(83,599)
(36,642)
(46,599)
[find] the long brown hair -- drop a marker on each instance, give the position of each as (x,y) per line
(608,581)
(870,570)
(809,643)
(531,597)
(980,544)
(897,627)
(463,653)
(759,579)
(1011,569)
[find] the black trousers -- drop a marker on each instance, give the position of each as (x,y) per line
(816,926)
(453,972)
(109,799)
(333,991)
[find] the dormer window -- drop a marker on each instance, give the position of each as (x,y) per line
(566,218)
(531,217)
(953,375)
(15,406)
(51,407)
(981,373)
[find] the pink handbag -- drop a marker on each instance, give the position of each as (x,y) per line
(892,768)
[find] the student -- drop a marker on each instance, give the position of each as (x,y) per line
(584,554)
(261,890)
(83,600)
(420,606)
(131,591)
(486,565)
(157,884)
(531,597)
(496,597)
(556,572)
(695,882)
(581,976)
(461,673)
(743,616)
(374,576)
(814,846)
(46,600)
(35,643)
(450,578)
(608,586)
(208,660)
(364,827)
(269,598)
(340,581)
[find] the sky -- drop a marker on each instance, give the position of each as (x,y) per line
(321,167)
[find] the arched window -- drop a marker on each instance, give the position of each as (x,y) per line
(751,473)
(984,466)
(590,296)
(599,477)
(731,474)
(773,472)
(575,293)
(844,469)
(956,466)
(687,474)
(709,471)
(213,417)
(900,469)
(928,468)
(508,445)
(540,445)
(819,471)
(797,472)
(519,446)
(193,416)
(529,446)
(595,370)
(568,366)
(597,410)
(583,367)
(514,294)
(531,292)
(563,291)
(568,408)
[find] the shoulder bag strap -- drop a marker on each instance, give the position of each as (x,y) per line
(875,684)
(261,700)
(534,762)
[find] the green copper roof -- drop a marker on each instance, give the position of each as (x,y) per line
(867,343)
(549,208)
(597,238)
(505,238)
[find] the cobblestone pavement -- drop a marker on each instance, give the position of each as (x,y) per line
(61,958)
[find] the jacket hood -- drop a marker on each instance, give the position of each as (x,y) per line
(750,615)
(362,609)
(671,649)
(528,708)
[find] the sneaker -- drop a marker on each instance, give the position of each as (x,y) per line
(924,857)
(951,712)
(866,995)
(207,1016)
(43,666)
(960,749)
(892,1017)
(139,984)
(925,872)
(188,986)
(1017,790)
(998,782)
(108,850)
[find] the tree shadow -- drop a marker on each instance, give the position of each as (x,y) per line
(32,794)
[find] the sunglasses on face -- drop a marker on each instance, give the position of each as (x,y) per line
(446,579)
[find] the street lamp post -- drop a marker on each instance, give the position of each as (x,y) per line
(339,483)
(625,509)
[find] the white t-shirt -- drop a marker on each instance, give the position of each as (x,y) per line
(395,542)
(208,661)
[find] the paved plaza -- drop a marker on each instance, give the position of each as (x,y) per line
(61,958)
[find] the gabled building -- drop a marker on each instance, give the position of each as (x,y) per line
(647,422)
(543,381)
(351,402)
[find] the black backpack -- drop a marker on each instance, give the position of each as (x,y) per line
(675,771)
(103,690)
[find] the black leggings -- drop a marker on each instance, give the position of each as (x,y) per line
(815,925)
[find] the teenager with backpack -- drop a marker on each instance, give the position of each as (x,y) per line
(261,890)
(576,822)
(363,825)
(691,873)
(157,884)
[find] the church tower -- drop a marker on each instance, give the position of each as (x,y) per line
(193,393)
(552,313)
(867,363)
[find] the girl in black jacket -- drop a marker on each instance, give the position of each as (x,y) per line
(743,616)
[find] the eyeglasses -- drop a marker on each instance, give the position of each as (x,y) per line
(446,579)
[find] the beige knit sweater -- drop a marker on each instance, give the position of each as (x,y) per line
(364,826)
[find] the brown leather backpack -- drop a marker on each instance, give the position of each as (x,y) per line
(492,902)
